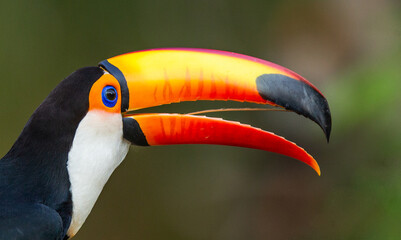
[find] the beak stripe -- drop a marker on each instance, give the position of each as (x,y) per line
(133,132)
(113,70)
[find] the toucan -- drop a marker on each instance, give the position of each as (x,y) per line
(52,176)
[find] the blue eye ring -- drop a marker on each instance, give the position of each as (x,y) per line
(109,96)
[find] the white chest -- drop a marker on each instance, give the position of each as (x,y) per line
(98,148)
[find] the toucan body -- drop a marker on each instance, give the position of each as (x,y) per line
(56,169)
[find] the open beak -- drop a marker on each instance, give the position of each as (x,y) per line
(162,76)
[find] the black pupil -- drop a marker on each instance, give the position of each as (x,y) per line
(110,94)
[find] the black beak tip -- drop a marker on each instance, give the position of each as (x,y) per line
(317,109)
(297,96)
(325,121)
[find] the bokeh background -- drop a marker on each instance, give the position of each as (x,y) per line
(350,49)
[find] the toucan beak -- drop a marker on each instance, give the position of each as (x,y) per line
(162,76)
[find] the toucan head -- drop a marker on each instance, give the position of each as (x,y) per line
(151,78)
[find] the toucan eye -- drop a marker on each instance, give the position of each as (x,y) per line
(109,96)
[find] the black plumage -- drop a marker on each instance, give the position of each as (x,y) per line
(35,198)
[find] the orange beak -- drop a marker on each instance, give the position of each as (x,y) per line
(162,76)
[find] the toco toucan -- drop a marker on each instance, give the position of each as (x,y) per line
(56,169)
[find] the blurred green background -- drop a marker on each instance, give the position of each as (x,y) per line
(351,50)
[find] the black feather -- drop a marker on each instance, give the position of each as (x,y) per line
(34,181)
